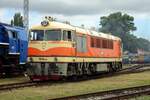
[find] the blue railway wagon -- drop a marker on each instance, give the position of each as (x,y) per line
(13,48)
(147,59)
(144,59)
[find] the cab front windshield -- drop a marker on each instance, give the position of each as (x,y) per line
(45,35)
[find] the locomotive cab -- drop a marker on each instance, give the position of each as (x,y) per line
(58,35)
(50,40)
(48,43)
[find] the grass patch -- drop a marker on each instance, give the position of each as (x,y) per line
(142,98)
(13,80)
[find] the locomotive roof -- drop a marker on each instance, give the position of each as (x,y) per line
(60,25)
(10,26)
(20,31)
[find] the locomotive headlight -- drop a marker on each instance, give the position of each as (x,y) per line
(45,23)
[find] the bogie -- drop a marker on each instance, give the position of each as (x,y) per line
(56,71)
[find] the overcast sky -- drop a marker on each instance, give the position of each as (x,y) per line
(79,12)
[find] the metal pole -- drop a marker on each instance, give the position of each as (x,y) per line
(26,16)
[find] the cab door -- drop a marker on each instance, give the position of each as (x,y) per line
(69,37)
(14,42)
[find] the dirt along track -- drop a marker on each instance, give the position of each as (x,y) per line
(118,94)
(132,69)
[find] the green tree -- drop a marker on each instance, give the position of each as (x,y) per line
(117,23)
(143,44)
(121,25)
(17,20)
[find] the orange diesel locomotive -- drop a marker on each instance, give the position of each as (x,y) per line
(58,50)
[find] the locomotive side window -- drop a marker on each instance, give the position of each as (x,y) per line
(64,35)
(101,43)
(111,44)
(104,42)
(67,35)
(98,43)
(37,35)
(52,35)
(13,34)
(92,42)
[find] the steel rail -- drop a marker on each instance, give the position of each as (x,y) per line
(117,94)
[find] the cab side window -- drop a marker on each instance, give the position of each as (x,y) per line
(13,34)
(67,35)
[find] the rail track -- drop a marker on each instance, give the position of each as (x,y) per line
(132,69)
(118,94)
(16,85)
(135,67)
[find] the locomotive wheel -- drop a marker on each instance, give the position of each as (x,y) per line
(83,69)
(63,78)
(74,78)
(116,66)
(92,68)
(111,67)
(79,69)
(120,65)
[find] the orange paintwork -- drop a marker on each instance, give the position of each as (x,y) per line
(58,51)
(71,51)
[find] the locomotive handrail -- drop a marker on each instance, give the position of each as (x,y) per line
(14,53)
(4,43)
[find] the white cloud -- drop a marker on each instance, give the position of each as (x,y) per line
(81,7)
(1,14)
(78,20)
